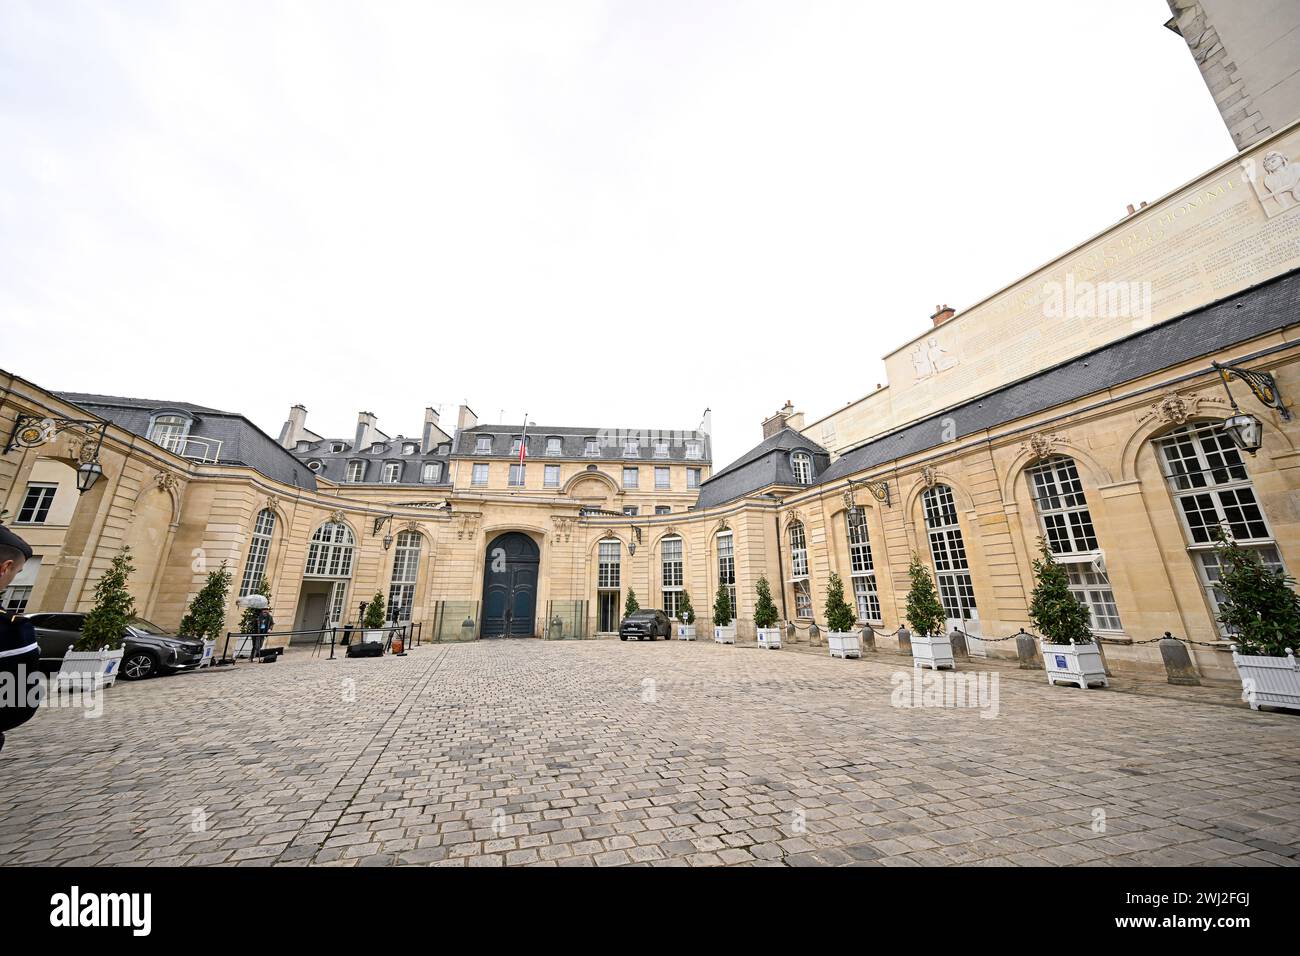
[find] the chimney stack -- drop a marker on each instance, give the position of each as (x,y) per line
(427,441)
(291,431)
(778,421)
(465,418)
(942,313)
(367,431)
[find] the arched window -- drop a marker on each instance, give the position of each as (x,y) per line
(862,569)
(802,466)
(258,550)
(330,552)
(672,572)
(727,567)
(799,571)
(1212,489)
(1066,524)
(406,569)
(948,550)
(169,432)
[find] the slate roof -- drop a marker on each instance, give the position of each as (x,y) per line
(1205,331)
(573,442)
(767,463)
(334,465)
(242,442)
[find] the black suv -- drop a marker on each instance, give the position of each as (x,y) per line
(147,651)
(645,623)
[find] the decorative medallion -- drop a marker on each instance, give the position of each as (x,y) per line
(272,503)
(336,517)
(1041,444)
(929,477)
(165,480)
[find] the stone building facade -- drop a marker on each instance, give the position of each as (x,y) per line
(1056,408)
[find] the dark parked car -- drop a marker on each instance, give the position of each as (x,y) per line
(147,651)
(645,623)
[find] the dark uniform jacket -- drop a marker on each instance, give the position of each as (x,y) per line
(19,657)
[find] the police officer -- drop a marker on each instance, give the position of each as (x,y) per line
(19,652)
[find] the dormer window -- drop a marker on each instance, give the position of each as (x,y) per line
(409,448)
(554,446)
(392,472)
(694,449)
(801,465)
(514,447)
(483,445)
(169,430)
(337,447)
(303,445)
(444,449)
(593,448)
(378,448)
(631,448)
(661,449)
(356,471)
(431,472)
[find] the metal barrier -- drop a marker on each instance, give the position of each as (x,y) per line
(251,644)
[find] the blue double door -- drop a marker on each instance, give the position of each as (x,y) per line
(510,586)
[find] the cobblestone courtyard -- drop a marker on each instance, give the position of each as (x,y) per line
(550,753)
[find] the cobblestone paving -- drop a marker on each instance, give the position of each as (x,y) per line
(529,752)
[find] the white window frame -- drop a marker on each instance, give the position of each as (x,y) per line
(331,551)
(609,565)
(479,468)
(591,448)
(554,446)
(259,549)
(406,574)
(694,450)
(392,472)
(551,476)
(801,466)
(356,473)
(635,474)
(517,475)
(38,510)
(862,571)
(948,552)
(431,472)
(694,478)
(170,431)
(666,474)
(727,567)
(482,444)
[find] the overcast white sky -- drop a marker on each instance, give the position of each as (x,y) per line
(606,214)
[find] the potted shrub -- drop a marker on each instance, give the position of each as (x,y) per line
(765,617)
(930,645)
(374,620)
(842,640)
(1261,611)
(205,619)
(1070,654)
(92,661)
(686,615)
(631,605)
(724,618)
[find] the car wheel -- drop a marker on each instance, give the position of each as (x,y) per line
(139,665)
(622,637)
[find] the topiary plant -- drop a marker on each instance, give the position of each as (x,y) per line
(105,625)
(765,614)
(1257,604)
(374,612)
(206,617)
(632,605)
(685,611)
(723,613)
(840,616)
(1053,609)
(924,612)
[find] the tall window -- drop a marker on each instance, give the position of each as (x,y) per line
(1067,527)
(799,571)
(608,570)
(479,475)
(169,431)
(948,550)
(630,478)
(258,550)
(330,552)
(431,472)
(406,567)
(662,478)
(672,574)
(801,465)
(356,471)
(551,476)
(862,570)
(727,567)
(1212,489)
(516,478)
(36,503)
(693,477)
(392,472)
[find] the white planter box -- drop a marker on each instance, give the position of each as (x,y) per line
(89,670)
(932,651)
(1078,664)
(1274,681)
(685,632)
(724,635)
(844,644)
(209,645)
(770,638)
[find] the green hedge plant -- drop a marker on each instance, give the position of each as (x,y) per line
(765,614)
(840,616)
(106,623)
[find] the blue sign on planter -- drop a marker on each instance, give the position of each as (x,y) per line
(1060,662)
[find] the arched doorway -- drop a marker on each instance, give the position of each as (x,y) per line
(510,586)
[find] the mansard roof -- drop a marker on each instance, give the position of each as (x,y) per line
(767,463)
